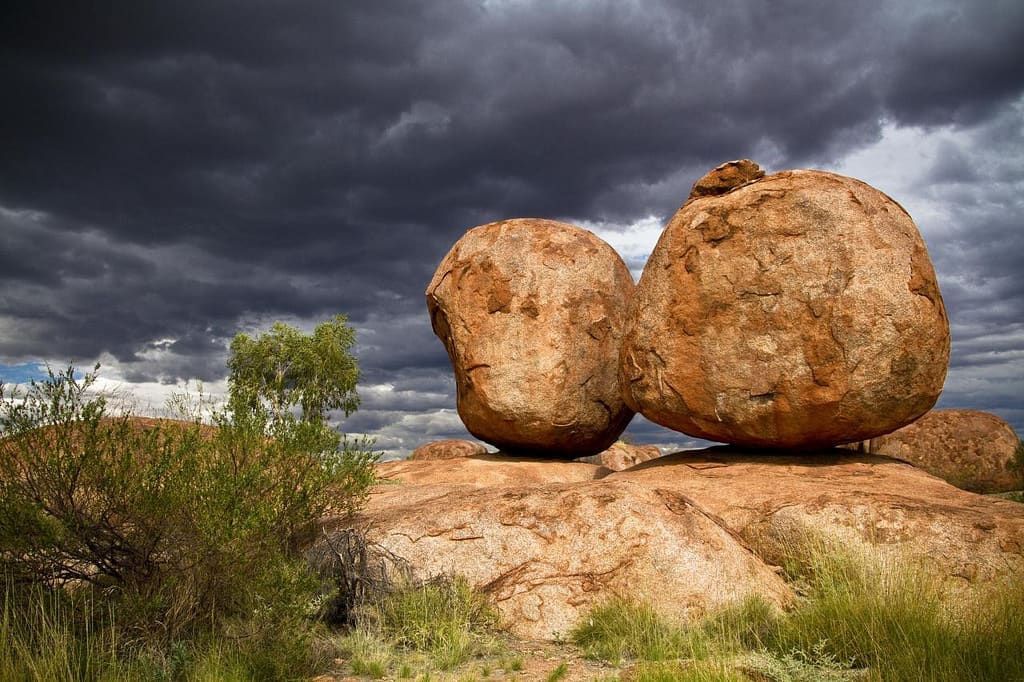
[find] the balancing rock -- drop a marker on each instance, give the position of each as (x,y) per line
(795,310)
(531,313)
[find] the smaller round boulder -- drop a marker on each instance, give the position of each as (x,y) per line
(973,450)
(448,449)
(531,313)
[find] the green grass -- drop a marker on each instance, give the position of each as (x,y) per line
(560,671)
(895,621)
(861,619)
(621,630)
(439,625)
(53,636)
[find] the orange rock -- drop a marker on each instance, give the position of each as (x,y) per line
(621,455)
(973,450)
(726,177)
(887,507)
(688,532)
(531,313)
(545,554)
(798,310)
(448,449)
(485,470)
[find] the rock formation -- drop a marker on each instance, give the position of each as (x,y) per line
(796,310)
(775,502)
(621,456)
(545,554)
(687,532)
(531,313)
(792,311)
(973,450)
(448,449)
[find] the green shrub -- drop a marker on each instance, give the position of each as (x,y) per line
(168,530)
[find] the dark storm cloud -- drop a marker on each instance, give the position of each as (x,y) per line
(173,172)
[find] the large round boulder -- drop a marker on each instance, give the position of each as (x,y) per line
(973,450)
(793,310)
(531,313)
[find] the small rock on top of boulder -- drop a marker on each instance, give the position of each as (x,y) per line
(531,313)
(973,450)
(726,177)
(797,310)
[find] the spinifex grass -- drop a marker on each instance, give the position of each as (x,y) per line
(621,629)
(445,621)
(864,617)
(40,639)
(895,620)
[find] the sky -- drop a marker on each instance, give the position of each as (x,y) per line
(173,173)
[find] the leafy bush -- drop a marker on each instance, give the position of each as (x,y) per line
(167,532)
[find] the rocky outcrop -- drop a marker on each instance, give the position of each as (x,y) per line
(797,310)
(622,455)
(448,449)
(687,532)
(486,471)
(973,450)
(545,554)
(531,313)
(775,503)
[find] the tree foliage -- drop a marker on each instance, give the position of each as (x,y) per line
(285,369)
(177,524)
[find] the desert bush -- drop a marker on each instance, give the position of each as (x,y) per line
(166,530)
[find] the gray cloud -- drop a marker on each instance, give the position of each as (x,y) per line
(175,173)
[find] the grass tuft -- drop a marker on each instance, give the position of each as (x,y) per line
(440,624)
(622,630)
(894,620)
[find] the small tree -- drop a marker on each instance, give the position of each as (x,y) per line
(177,526)
(285,368)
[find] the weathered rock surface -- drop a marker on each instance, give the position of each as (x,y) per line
(531,313)
(621,456)
(726,177)
(545,554)
(448,449)
(773,502)
(797,310)
(486,470)
(973,450)
(687,532)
